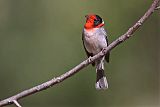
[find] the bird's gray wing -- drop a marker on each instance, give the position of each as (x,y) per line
(108,54)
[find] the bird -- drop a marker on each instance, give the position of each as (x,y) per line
(95,39)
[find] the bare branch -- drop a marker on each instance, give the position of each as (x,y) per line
(83,64)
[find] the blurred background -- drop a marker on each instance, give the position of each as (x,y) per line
(41,39)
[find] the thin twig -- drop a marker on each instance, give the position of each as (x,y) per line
(83,64)
(158,7)
(16,103)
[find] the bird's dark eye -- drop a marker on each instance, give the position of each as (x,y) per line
(97,21)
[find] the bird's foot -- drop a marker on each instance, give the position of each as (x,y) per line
(103,50)
(90,59)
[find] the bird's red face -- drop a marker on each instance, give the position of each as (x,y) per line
(93,21)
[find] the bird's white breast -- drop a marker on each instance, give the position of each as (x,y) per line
(94,40)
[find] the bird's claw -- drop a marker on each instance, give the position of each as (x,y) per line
(103,50)
(89,59)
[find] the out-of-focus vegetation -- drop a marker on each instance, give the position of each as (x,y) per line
(41,39)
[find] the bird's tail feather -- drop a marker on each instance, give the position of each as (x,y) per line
(101,81)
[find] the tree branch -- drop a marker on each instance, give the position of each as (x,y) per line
(50,83)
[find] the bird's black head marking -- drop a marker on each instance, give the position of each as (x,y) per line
(98,20)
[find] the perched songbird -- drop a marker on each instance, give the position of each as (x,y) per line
(95,39)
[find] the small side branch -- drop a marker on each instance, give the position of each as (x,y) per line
(16,103)
(158,7)
(83,64)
